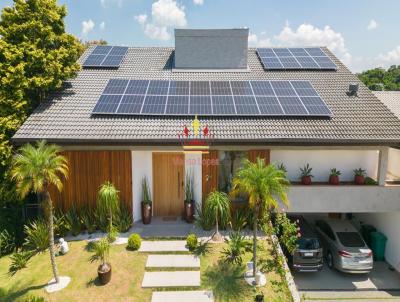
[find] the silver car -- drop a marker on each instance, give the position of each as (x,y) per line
(343,246)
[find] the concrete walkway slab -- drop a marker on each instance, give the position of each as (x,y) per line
(174,296)
(178,261)
(171,279)
(164,246)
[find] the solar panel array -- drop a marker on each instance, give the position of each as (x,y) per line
(295,59)
(104,56)
(217,98)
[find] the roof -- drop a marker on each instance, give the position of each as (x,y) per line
(391,99)
(65,117)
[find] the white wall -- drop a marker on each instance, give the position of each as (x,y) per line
(193,165)
(394,164)
(388,224)
(141,166)
(323,160)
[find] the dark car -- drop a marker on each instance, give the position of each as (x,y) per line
(308,256)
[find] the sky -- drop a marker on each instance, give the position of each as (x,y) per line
(362,33)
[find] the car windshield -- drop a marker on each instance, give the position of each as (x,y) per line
(308,244)
(350,239)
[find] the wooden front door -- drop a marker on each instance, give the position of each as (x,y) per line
(168,183)
(210,164)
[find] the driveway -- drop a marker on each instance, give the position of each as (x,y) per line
(381,278)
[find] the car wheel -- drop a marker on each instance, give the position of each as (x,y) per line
(329,260)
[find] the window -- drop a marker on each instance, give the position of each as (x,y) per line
(326,229)
(308,244)
(350,239)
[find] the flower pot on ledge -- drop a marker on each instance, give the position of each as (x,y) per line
(306,180)
(334,180)
(359,179)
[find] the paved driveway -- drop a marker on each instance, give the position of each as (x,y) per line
(381,278)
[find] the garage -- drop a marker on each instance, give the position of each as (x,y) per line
(383,277)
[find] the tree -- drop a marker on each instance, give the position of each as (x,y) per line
(218,207)
(36,56)
(264,185)
(381,79)
(108,201)
(35,168)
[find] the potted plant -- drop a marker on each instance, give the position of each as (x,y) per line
(189,198)
(101,250)
(334,176)
(359,176)
(281,167)
(306,175)
(146,202)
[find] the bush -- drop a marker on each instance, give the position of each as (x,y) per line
(112,234)
(202,220)
(101,220)
(239,219)
(74,221)
(123,219)
(37,237)
(61,225)
(370,181)
(134,242)
(19,261)
(6,243)
(191,242)
(88,219)
(235,250)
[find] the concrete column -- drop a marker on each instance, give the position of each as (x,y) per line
(383,165)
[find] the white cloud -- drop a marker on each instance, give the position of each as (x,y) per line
(141,19)
(390,58)
(308,35)
(198,2)
(254,40)
(165,14)
(157,32)
(372,25)
(102,25)
(168,13)
(87,26)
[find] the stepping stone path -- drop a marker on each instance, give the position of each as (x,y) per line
(192,296)
(175,278)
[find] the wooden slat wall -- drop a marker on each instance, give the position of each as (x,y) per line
(265,154)
(88,170)
(209,173)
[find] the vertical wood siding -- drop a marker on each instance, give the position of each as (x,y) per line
(264,154)
(88,170)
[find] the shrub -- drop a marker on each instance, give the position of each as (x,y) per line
(88,219)
(123,219)
(239,219)
(6,243)
(19,261)
(134,242)
(112,234)
(37,237)
(101,219)
(74,221)
(61,225)
(235,250)
(101,250)
(370,181)
(287,232)
(202,220)
(191,242)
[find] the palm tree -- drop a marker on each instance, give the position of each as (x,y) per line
(263,185)
(34,169)
(218,208)
(109,201)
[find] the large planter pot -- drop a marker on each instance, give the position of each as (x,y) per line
(359,179)
(334,180)
(260,298)
(104,273)
(146,212)
(306,180)
(189,211)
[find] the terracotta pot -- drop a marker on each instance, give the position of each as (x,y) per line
(146,213)
(189,211)
(104,276)
(259,298)
(359,179)
(306,180)
(334,180)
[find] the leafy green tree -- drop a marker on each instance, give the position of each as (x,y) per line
(264,185)
(35,168)
(217,208)
(381,79)
(36,56)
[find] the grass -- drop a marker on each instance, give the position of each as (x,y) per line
(128,267)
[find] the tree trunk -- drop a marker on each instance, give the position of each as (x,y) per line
(49,213)
(216,221)
(256,213)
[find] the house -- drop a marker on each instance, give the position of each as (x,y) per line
(147,112)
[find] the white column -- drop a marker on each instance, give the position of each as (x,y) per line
(383,165)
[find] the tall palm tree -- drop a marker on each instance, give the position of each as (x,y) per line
(34,169)
(109,201)
(264,185)
(218,207)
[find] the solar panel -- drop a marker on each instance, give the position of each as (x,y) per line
(219,98)
(105,56)
(295,59)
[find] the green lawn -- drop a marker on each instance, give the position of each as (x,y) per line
(128,267)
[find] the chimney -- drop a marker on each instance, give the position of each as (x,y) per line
(211,48)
